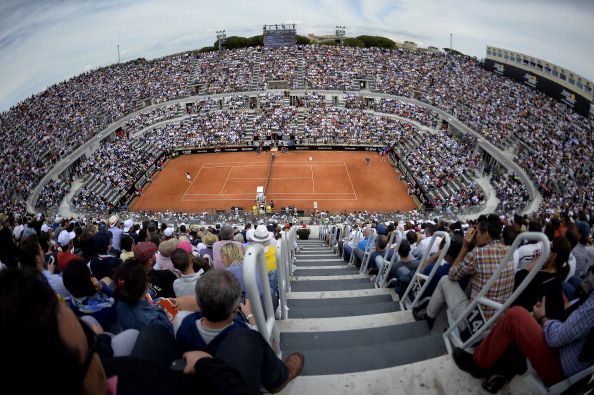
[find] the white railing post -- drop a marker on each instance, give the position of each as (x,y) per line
(384,271)
(415,283)
(358,235)
(453,334)
(367,254)
(281,266)
(254,265)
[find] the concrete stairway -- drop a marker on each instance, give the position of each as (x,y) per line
(355,338)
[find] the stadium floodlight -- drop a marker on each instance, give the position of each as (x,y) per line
(221,36)
(340,33)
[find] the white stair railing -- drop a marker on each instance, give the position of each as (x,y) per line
(282,265)
(473,314)
(346,232)
(419,282)
(381,281)
(254,263)
(357,238)
(369,247)
(558,388)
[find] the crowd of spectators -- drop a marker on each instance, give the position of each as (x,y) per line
(511,192)
(552,141)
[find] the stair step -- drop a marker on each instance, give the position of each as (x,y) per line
(346,301)
(343,339)
(345,323)
(370,357)
(322,310)
(330,285)
(325,272)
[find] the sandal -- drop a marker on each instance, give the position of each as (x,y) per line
(494,383)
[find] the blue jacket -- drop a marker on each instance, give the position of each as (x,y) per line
(139,314)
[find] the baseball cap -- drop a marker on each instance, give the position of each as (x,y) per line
(64,237)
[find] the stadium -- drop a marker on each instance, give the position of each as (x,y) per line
(362,179)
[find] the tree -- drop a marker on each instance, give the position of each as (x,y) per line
(377,41)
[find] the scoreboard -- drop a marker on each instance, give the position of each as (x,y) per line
(279,35)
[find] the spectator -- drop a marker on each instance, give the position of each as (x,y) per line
(103,264)
(225,236)
(160,281)
(185,285)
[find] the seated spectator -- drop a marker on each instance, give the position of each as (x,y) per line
(218,295)
(134,310)
(186,284)
(65,239)
(36,324)
(529,251)
(103,264)
(88,296)
(160,281)
(584,256)
(424,243)
(208,239)
(548,282)
(225,236)
(381,242)
(31,256)
(352,239)
(263,237)
(556,349)
(166,248)
(126,243)
(479,263)
(362,245)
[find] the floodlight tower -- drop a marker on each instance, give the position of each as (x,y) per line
(221,36)
(340,33)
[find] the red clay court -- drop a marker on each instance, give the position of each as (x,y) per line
(336,180)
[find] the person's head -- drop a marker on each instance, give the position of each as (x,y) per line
(102,241)
(78,279)
(181,259)
(429,229)
(559,255)
(509,235)
(583,231)
(145,253)
(456,242)
(226,232)
(65,239)
(367,231)
(87,245)
(411,237)
(38,330)
(404,249)
(217,295)
(489,228)
(534,226)
(262,235)
(131,281)
(572,234)
(209,239)
(231,253)
(381,242)
(126,243)
(31,254)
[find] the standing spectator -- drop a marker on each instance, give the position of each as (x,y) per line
(185,285)
(116,232)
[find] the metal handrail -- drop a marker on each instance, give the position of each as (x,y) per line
(254,263)
(415,282)
(358,235)
(453,334)
(384,272)
(283,278)
(367,254)
(346,232)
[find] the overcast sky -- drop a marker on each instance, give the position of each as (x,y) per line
(46,41)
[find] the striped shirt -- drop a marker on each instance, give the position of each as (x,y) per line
(480,264)
(569,336)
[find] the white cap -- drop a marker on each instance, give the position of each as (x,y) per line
(44,228)
(64,237)
(128,224)
(168,232)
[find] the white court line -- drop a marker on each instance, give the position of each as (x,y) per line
(349,174)
(252,199)
(273,193)
(272,178)
(226,179)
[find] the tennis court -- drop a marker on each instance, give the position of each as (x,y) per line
(333,181)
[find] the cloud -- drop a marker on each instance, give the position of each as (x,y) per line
(43,43)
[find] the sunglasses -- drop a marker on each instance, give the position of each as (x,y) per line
(91,337)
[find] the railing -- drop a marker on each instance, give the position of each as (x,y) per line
(473,315)
(381,281)
(367,254)
(415,289)
(254,264)
(358,236)
(284,270)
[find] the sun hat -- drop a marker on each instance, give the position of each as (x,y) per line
(64,237)
(113,220)
(262,234)
(167,247)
